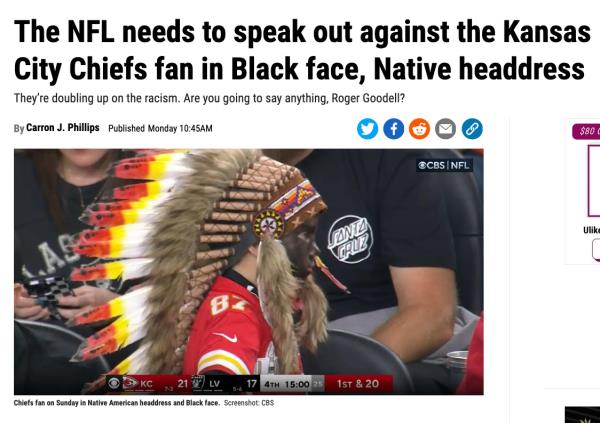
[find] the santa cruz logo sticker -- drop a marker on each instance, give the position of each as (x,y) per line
(350,239)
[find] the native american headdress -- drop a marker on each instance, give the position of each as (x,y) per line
(195,216)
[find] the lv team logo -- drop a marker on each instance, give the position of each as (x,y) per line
(350,239)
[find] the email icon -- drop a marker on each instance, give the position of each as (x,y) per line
(445,129)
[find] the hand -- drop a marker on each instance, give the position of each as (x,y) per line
(85,298)
(26,307)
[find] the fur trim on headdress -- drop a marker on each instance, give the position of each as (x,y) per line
(277,291)
(311,330)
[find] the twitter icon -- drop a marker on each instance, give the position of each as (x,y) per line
(367,128)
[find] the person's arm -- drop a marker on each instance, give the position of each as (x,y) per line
(229,344)
(85,298)
(426,307)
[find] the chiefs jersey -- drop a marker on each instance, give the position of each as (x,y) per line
(230,333)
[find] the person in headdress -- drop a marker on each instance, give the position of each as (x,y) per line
(225,239)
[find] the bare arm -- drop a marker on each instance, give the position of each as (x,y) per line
(425,318)
(85,298)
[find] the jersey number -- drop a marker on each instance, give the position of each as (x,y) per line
(222,302)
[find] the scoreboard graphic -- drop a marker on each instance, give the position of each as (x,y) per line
(267,384)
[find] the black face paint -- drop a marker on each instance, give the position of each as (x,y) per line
(301,248)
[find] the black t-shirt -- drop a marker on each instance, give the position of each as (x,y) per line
(41,248)
(381,213)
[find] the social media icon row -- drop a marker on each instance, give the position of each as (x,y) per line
(419,128)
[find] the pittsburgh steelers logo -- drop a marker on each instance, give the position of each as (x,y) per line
(269,222)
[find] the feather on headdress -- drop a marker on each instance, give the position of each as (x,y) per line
(193,217)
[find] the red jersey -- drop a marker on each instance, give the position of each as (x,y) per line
(230,333)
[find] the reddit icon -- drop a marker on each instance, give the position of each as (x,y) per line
(419,128)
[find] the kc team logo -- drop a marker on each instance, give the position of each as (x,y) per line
(129,383)
(350,239)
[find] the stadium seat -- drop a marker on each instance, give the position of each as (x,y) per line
(42,354)
(465,209)
(350,353)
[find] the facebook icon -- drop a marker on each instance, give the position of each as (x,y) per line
(393,128)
